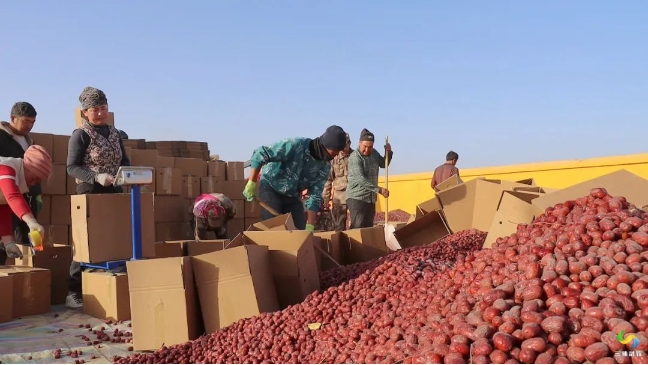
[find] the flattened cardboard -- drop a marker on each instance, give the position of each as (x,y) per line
(105,295)
(164,302)
(31,290)
(471,204)
(618,183)
(233,284)
(292,261)
(514,208)
(364,244)
(423,231)
(282,222)
(6,301)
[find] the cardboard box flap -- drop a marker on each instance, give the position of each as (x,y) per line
(453,180)
(471,205)
(529,181)
(514,208)
(618,183)
(171,275)
(225,265)
(279,223)
(289,241)
(11,270)
(423,231)
(427,207)
(530,189)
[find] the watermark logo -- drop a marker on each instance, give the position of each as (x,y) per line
(630,338)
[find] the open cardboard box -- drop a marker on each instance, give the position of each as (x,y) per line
(514,208)
(331,243)
(364,244)
(292,261)
(618,183)
(427,206)
(423,231)
(453,180)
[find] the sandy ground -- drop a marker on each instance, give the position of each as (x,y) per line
(33,339)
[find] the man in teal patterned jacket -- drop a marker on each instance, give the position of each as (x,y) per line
(291,166)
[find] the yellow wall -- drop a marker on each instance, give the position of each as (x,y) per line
(406,191)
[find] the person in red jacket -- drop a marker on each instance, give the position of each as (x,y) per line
(16,176)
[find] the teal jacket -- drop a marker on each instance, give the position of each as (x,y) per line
(289,168)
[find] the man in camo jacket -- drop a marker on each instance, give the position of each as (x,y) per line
(335,187)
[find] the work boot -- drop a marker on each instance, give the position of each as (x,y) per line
(74,300)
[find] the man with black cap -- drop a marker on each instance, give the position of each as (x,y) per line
(14,140)
(289,167)
(364,166)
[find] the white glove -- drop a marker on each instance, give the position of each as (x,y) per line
(34,226)
(13,251)
(104,179)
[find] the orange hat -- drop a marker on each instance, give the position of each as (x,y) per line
(37,163)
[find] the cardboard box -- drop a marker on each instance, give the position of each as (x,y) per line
(453,180)
(471,205)
(105,295)
(235,171)
(239,204)
(292,261)
(217,169)
(45,215)
(252,209)
(31,290)
(331,243)
(195,248)
(233,284)
(168,181)
(60,149)
(234,227)
(251,221)
(283,222)
(364,244)
(60,210)
(57,234)
(57,182)
(168,231)
(190,187)
(165,161)
(46,140)
(170,249)
(6,301)
(423,231)
(169,209)
(514,208)
(164,303)
(618,183)
(57,260)
(211,184)
(101,227)
(79,119)
(191,166)
(233,189)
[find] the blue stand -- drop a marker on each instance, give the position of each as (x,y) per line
(136,229)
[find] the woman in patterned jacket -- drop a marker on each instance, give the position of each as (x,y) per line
(95,153)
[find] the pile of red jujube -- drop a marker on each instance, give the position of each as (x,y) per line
(394,216)
(559,290)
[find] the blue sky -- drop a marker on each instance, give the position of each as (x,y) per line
(500,82)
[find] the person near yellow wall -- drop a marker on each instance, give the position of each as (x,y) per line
(445,171)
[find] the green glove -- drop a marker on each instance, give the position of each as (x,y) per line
(310,227)
(39,202)
(250,190)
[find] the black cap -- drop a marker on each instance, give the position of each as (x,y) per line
(334,138)
(365,135)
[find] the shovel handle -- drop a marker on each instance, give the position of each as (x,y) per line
(386,181)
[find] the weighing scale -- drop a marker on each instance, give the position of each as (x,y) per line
(135,177)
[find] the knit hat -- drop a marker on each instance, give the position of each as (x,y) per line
(23,109)
(37,163)
(92,97)
(365,135)
(334,138)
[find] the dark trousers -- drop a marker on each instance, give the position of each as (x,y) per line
(200,230)
(21,231)
(362,213)
(282,204)
(74,281)
(339,215)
